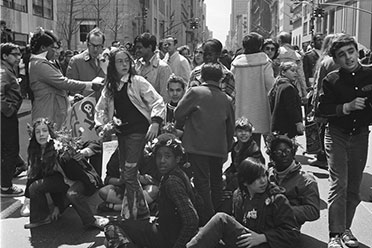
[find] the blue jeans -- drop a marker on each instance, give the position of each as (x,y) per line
(37,189)
(208,182)
(221,227)
(347,156)
(130,149)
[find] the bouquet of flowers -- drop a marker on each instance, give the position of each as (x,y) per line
(110,128)
(65,144)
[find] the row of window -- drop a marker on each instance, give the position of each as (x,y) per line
(42,8)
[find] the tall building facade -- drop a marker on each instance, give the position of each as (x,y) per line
(23,16)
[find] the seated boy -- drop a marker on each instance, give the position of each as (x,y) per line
(262,218)
(243,147)
(301,188)
(177,220)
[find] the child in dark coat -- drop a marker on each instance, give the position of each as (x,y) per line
(262,218)
(285,102)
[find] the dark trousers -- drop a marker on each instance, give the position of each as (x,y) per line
(53,184)
(221,227)
(347,157)
(9,148)
(207,172)
(77,194)
(134,233)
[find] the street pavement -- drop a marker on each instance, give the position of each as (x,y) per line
(68,230)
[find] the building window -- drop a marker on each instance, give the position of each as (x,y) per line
(85,28)
(43,8)
(20,5)
(305,28)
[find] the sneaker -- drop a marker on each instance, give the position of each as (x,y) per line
(12,192)
(19,170)
(349,239)
(335,242)
(99,223)
(25,210)
(318,163)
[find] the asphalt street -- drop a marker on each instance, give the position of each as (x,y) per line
(68,230)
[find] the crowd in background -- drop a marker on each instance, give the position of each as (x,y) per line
(177,115)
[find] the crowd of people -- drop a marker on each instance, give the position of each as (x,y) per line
(177,117)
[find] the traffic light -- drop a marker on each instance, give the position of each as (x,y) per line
(194,24)
(144,12)
(318,12)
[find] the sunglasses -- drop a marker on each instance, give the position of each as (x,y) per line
(200,52)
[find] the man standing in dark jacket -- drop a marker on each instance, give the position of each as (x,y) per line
(11,100)
(346,103)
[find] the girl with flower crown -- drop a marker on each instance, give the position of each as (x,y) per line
(60,176)
(133,100)
(44,176)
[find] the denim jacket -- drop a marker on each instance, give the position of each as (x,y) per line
(141,93)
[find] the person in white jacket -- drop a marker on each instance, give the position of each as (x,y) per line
(131,99)
(254,78)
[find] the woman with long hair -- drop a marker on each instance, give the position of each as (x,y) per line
(44,176)
(140,109)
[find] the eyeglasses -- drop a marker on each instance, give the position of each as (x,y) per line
(99,46)
(270,49)
(16,54)
(282,152)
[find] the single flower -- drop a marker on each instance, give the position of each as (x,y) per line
(58,145)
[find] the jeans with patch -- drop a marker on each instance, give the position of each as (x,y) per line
(130,149)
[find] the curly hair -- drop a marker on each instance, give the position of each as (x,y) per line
(42,38)
(41,160)
(112,77)
(170,141)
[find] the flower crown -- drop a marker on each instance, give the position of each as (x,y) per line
(30,128)
(243,122)
(167,140)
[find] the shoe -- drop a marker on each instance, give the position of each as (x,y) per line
(37,224)
(12,192)
(335,242)
(19,170)
(318,163)
(25,210)
(99,223)
(349,239)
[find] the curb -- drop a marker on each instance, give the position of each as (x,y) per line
(11,209)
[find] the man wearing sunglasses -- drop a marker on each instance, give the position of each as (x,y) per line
(301,188)
(87,65)
(11,100)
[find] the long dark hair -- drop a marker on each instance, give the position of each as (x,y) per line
(41,161)
(112,77)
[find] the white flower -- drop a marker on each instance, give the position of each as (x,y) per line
(49,138)
(117,121)
(58,145)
